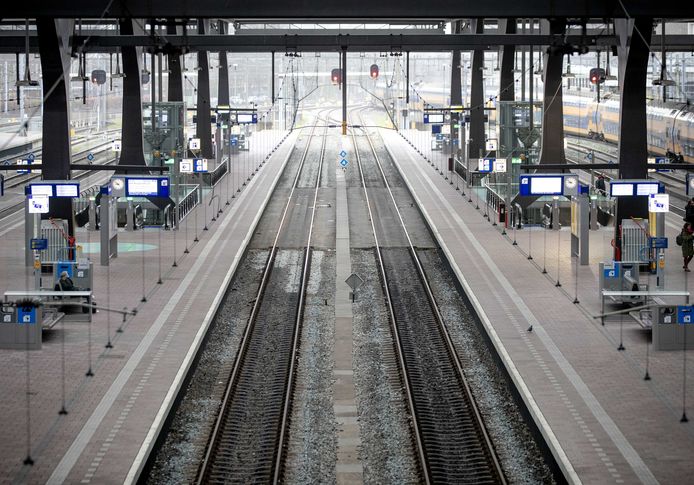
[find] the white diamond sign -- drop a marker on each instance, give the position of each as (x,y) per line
(354,281)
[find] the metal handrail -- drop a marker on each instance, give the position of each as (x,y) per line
(188,202)
(519,209)
(216,175)
(167,214)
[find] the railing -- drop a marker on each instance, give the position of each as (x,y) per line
(517,216)
(210,179)
(494,199)
(461,169)
(82,202)
(169,221)
(188,202)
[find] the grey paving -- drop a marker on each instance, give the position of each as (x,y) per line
(111,415)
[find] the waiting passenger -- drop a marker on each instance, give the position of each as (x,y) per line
(689,211)
(600,185)
(65,283)
(686,237)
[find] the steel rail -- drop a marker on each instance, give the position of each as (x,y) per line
(232,382)
(419,442)
(286,409)
(439,319)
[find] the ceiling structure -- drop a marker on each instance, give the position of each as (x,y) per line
(347,9)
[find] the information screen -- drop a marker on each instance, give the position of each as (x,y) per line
(67,190)
(619,190)
(546,185)
(436,118)
(141,187)
(245,118)
(647,188)
(41,189)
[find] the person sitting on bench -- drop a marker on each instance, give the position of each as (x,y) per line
(65,283)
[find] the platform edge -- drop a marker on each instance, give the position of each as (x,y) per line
(147,445)
(523,390)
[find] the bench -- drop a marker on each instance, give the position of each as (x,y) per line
(643,294)
(51,317)
(64,297)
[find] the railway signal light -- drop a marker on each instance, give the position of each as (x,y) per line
(98,76)
(336,76)
(373,71)
(597,75)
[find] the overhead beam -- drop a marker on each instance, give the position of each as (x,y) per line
(326,43)
(346,9)
(355,42)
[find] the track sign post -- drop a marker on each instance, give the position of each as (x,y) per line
(354,281)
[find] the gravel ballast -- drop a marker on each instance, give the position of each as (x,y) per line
(312,450)
(386,448)
(178,458)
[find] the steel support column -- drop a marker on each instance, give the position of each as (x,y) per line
(476,141)
(506,81)
(407,77)
(552,148)
(132,147)
(204,126)
(175,91)
(456,92)
(55,69)
(634,39)
(272,76)
(223,85)
(344,91)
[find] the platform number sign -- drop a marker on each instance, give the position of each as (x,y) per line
(26,315)
(684,315)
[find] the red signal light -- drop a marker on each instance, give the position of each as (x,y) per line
(597,75)
(335,76)
(373,71)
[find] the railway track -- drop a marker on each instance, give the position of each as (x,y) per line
(23,179)
(674,184)
(19,179)
(449,435)
(248,441)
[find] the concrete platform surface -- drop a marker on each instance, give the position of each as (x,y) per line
(113,416)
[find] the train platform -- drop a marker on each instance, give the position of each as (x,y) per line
(12,144)
(603,422)
(113,416)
